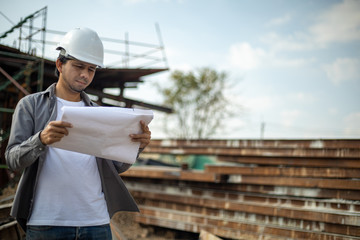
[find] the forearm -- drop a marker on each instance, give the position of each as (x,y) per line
(21,155)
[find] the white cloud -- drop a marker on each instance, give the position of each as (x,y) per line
(297,41)
(289,117)
(340,23)
(333,111)
(301,97)
(259,104)
(144,1)
(288,62)
(352,124)
(245,57)
(343,69)
(280,20)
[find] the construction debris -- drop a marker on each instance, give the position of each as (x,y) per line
(273,189)
(204,235)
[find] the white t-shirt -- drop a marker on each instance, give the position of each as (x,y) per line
(69,191)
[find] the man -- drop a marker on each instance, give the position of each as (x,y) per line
(64,194)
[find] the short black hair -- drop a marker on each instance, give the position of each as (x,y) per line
(62,59)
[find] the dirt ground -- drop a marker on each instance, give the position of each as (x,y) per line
(7,192)
(131,230)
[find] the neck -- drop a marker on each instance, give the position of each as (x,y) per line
(66,94)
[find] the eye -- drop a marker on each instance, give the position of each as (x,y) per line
(79,66)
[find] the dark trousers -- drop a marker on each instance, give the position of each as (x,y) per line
(102,232)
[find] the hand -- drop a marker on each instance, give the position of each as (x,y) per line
(54,132)
(144,137)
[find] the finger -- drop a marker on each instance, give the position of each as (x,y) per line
(55,137)
(143,142)
(144,127)
(141,136)
(61,124)
(50,137)
(56,129)
(147,139)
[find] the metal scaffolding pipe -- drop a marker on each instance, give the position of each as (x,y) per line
(14,81)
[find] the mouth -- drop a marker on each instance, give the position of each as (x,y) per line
(81,82)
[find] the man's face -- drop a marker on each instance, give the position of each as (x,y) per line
(77,75)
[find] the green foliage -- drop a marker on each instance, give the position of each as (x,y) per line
(3,166)
(198,101)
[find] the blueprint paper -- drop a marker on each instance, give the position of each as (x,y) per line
(103,131)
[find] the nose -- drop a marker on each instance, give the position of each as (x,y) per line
(85,74)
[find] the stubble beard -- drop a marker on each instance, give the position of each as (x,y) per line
(78,90)
(74,88)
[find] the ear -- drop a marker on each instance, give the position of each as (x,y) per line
(59,65)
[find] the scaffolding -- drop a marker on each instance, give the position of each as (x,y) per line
(25,68)
(32,38)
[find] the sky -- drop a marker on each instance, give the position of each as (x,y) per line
(292,67)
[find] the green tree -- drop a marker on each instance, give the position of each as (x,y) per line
(198,101)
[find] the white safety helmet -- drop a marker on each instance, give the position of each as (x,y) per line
(82,44)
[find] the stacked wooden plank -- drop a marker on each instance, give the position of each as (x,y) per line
(9,228)
(269,189)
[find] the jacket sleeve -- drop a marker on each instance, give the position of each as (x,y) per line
(122,167)
(24,146)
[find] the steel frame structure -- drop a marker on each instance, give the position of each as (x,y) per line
(24,71)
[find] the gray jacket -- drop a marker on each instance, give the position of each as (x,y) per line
(26,153)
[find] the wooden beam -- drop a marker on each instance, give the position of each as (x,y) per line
(285,171)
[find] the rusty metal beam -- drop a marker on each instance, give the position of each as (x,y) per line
(128,101)
(178,201)
(293,161)
(258,219)
(331,205)
(245,143)
(238,230)
(300,192)
(299,182)
(272,189)
(190,227)
(265,152)
(171,173)
(23,90)
(285,171)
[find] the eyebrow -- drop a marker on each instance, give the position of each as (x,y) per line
(84,65)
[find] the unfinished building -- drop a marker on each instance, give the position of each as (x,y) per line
(24,70)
